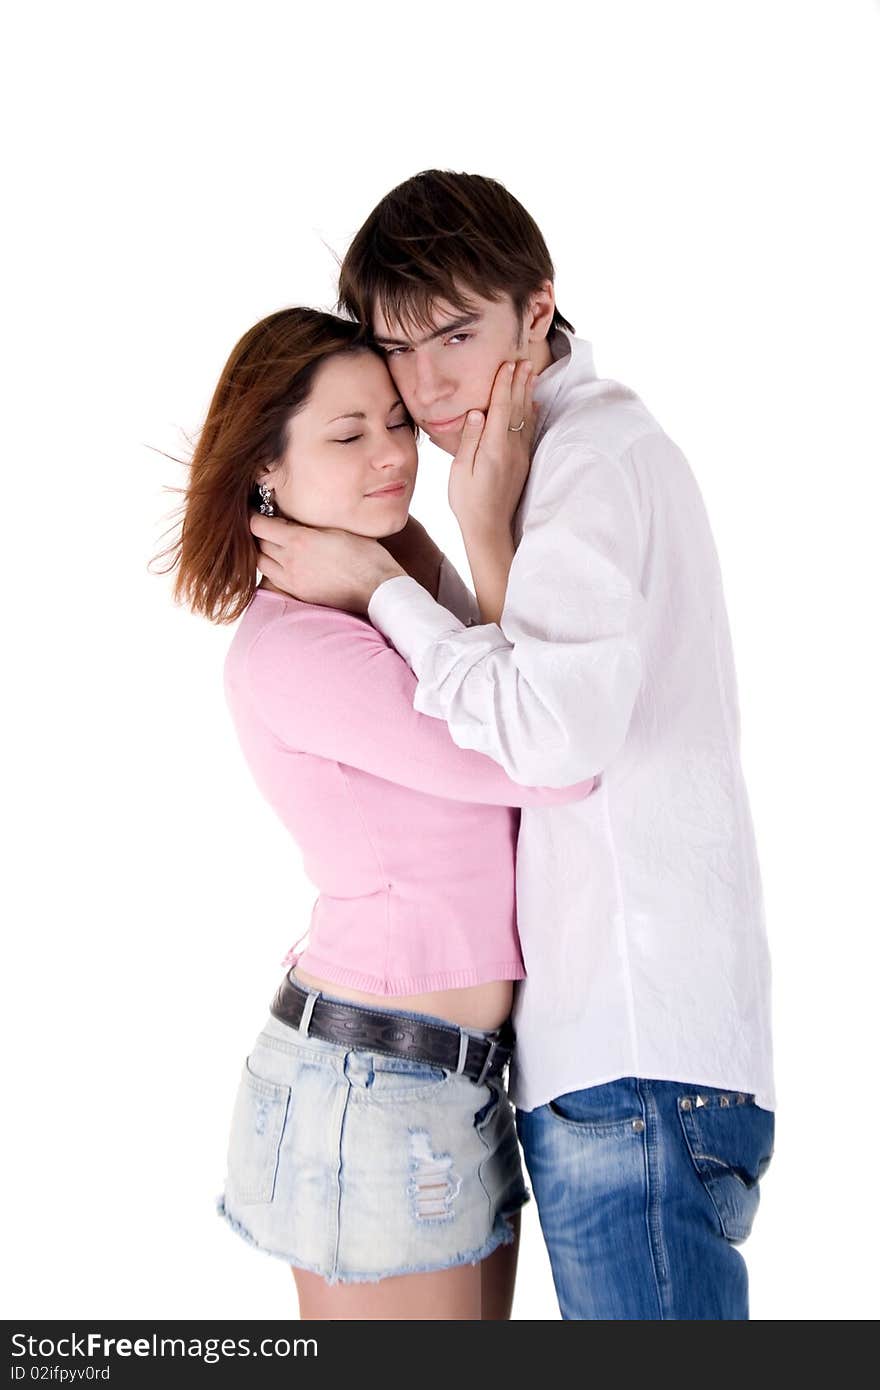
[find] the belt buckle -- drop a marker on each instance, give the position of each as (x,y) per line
(493,1048)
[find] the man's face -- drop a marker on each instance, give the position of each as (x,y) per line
(446,370)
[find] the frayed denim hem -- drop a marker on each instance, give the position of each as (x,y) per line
(503,1234)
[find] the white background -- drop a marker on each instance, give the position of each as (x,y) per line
(705,176)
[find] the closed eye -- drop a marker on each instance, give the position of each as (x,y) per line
(353,438)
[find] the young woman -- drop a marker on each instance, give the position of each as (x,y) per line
(372,1143)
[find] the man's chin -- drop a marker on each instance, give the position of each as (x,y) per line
(447,443)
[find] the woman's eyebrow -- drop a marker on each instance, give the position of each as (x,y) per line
(452,327)
(360,414)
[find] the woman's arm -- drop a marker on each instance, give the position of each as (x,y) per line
(486,482)
(416,552)
(455,596)
(424,561)
(328,684)
(490,558)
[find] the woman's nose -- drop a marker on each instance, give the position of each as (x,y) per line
(389,451)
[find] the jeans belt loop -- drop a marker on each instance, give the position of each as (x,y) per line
(487,1063)
(308,1010)
(464,1042)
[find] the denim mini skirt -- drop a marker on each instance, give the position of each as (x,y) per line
(359,1166)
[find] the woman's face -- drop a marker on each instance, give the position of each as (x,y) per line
(351,456)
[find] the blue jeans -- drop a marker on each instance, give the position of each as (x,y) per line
(644,1190)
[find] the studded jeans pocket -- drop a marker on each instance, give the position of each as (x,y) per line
(258,1121)
(730,1141)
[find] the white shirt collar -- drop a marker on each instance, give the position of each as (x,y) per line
(572,361)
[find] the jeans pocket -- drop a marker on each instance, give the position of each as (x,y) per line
(258,1121)
(608,1110)
(496,1104)
(730,1141)
(401,1078)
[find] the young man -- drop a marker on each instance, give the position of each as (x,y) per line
(643,1070)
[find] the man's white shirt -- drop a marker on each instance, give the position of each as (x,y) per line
(639,908)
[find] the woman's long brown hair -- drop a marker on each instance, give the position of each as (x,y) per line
(267,379)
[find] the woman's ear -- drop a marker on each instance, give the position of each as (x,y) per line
(264,499)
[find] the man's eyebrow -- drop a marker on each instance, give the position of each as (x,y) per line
(452,327)
(360,414)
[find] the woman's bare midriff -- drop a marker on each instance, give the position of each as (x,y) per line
(478,1006)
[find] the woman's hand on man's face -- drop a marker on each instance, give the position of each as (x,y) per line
(491,467)
(334,568)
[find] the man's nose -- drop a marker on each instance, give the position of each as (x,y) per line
(430,382)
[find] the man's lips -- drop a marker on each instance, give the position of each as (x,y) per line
(390,489)
(438,426)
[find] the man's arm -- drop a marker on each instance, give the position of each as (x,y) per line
(331,686)
(548,694)
(340,570)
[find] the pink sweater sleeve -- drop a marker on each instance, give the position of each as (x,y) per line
(330,685)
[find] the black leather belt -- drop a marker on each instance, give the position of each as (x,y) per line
(395,1035)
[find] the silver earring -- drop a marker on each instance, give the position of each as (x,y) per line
(266,507)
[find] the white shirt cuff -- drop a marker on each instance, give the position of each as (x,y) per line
(406,614)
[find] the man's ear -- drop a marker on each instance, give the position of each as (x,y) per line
(539,312)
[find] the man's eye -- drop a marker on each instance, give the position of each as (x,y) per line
(394,351)
(459,338)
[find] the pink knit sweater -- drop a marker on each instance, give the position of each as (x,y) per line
(409,839)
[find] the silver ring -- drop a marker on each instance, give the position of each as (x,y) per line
(515,429)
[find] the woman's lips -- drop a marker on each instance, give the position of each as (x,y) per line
(393,491)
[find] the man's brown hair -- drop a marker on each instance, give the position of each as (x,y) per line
(439,236)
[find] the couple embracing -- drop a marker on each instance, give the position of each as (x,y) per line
(522,802)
